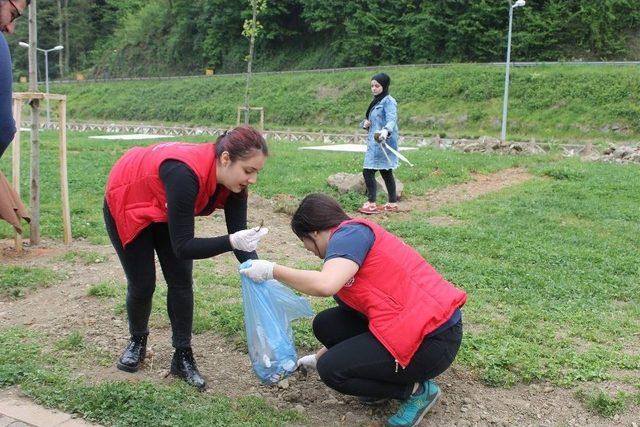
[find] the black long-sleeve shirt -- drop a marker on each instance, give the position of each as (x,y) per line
(181,186)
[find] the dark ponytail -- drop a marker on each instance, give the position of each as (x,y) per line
(317,212)
(240,143)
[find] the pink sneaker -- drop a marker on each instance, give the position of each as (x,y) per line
(390,207)
(369,208)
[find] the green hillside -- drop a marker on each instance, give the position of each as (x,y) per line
(567,103)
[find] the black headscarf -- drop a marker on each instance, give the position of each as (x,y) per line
(384,81)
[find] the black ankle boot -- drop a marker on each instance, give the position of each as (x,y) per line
(184,366)
(134,354)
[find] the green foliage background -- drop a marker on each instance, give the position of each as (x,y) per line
(175,37)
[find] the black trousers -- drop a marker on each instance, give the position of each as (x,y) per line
(357,364)
(372,188)
(138,262)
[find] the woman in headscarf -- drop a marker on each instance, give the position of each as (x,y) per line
(381,120)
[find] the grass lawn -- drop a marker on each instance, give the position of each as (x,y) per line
(14,280)
(46,374)
(550,267)
(552,274)
(288,171)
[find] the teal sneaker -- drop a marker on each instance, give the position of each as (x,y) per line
(414,408)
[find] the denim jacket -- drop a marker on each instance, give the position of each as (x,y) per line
(383,115)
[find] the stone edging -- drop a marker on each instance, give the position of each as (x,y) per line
(614,153)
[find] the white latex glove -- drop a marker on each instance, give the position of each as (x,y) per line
(384,134)
(260,270)
(308,362)
(247,240)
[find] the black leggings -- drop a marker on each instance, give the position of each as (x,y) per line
(389,182)
(357,364)
(139,266)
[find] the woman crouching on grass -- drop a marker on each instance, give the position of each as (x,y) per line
(398,323)
(153,194)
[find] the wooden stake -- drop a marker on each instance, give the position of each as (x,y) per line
(261,118)
(17,113)
(64,182)
(34,202)
(34,100)
(15,162)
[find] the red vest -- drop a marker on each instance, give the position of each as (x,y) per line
(401,294)
(135,193)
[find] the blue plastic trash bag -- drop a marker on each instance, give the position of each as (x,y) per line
(269,308)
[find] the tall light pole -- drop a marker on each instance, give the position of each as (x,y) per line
(46,71)
(503,134)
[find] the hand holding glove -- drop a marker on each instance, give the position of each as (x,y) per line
(259,271)
(307,362)
(383,135)
(365,124)
(247,240)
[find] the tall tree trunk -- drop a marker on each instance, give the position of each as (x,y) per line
(67,48)
(61,38)
(34,177)
(250,60)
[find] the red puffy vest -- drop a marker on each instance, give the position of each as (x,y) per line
(135,193)
(401,294)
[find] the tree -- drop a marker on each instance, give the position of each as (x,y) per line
(178,37)
(61,40)
(250,30)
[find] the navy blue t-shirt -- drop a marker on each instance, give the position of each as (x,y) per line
(7,125)
(353,242)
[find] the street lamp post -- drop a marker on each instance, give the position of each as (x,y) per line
(46,71)
(503,134)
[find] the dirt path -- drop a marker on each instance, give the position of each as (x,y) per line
(478,186)
(64,308)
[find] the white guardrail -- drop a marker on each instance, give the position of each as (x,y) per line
(358,137)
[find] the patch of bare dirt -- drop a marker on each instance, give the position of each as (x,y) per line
(327,92)
(479,185)
(10,255)
(62,309)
